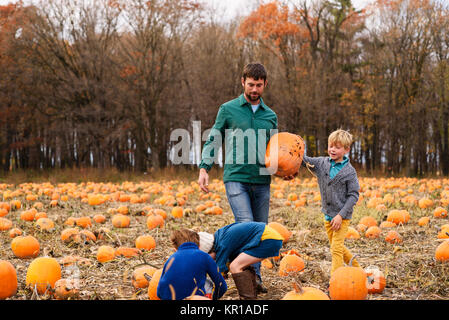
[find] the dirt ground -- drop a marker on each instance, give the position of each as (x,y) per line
(409,267)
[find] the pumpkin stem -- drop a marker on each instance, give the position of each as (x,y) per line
(297,287)
(147,276)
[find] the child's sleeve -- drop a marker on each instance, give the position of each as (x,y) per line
(217,278)
(353,187)
(311,162)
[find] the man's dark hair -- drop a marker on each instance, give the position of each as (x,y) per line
(254,70)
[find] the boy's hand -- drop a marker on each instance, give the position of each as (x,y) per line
(336,222)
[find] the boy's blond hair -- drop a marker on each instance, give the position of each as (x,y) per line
(340,136)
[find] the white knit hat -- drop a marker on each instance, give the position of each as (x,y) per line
(206,241)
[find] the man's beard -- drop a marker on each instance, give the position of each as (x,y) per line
(253,98)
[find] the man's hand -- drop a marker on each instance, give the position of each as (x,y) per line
(203,180)
(291,177)
(336,222)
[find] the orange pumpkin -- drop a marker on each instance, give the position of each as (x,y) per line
(43,272)
(292,197)
(291,264)
(127,252)
(368,221)
(398,216)
(281,229)
(70,234)
(372,232)
(84,222)
(40,215)
(352,233)
(199,208)
(45,224)
(424,221)
(425,203)
(146,242)
(393,237)
(105,254)
(5,224)
(440,212)
(154,221)
(66,288)
(442,251)
(87,236)
(177,212)
(16,204)
(8,280)
(71,221)
(361,227)
(25,247)
(99,218)
(28,215)
(348,283)
(152,285)
(305,293)
(15,232)
(138,279)
(284,153)
(4,207)
(123,210)
(120,221)
(161,213)
(3,212)
(387,224)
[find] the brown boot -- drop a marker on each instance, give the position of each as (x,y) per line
(245,282)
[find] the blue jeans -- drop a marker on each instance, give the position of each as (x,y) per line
(249,202)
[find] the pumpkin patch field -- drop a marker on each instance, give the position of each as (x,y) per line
(110,240)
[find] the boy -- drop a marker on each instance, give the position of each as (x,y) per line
(185,271)
(339,188)
(242,245)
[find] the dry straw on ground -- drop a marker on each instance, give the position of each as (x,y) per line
(409,267)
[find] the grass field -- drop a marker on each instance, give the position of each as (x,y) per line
(410,267)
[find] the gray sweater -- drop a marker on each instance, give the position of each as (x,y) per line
(340,194)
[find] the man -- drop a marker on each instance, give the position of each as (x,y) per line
(246,125)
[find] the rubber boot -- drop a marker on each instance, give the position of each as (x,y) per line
(245,283)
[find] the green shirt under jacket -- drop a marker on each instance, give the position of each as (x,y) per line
(245,135)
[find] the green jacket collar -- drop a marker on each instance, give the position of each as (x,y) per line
(243,102)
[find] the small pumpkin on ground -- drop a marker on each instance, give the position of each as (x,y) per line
(305,293)
(43,272)
(348,283)
(8,280)
(25,247)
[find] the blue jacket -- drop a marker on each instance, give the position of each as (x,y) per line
(188,269)
(234,239)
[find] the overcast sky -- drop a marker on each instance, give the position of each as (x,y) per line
(230,8)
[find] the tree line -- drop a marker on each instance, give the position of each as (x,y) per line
(104,83)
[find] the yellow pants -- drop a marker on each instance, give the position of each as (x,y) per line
(340,254)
